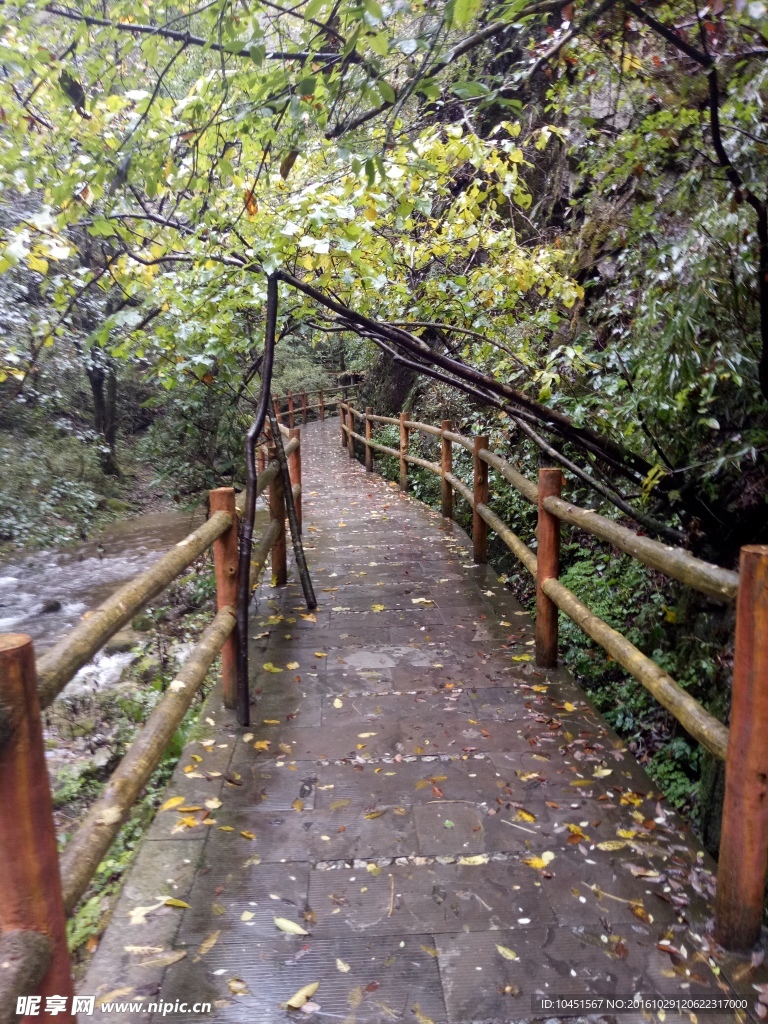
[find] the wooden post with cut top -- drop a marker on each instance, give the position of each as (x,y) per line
(30,881)
(368,449)
(548,567)
(480,497)
(277,512)
(226,561)
(446,466)
(304,405)
(260,459)
(294,468)
(290,409)
(350,429)
(322,406)
(403,452)
(741,870)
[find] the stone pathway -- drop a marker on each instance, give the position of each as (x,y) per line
(454,830)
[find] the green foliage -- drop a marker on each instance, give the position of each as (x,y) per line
(55,491)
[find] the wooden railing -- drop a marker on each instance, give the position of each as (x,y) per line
(743,746)
(288,408)
(38,890)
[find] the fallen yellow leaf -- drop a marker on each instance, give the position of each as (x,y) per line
(289,926)
(207,944)
(174,801)
(298,999)
(540,862)
(506,952)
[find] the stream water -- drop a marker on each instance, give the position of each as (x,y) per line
(46,593)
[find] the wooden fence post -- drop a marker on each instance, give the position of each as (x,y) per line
(290,410)
(304,405)
(743,856)
(277,511)
(276,403)
(294,468)
(368,449)
(446,465)
(351,427)
(342,423)
(225,560)
(548,567)
(322,407)
(30,882)
(403,452)
(260,460)
(479,525)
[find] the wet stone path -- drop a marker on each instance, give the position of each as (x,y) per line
(418,818)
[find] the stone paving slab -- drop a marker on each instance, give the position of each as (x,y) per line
(452,829)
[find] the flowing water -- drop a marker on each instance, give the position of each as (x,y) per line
(46,593)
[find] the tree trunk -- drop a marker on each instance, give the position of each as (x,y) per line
(103,381)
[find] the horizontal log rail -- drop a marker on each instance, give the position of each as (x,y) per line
(38,888)
(58,665)
(87,847)
(744,842)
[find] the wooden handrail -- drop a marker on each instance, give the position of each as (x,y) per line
(674,562)
(58,665)
(521,483)
(703,726)
(32,962)
(423,428)
(85,850)
(718,582)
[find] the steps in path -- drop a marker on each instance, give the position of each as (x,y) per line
(455,830)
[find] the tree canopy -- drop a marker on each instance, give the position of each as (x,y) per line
(560,207)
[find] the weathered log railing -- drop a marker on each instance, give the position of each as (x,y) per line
(744,748)
(294,403)
(37,889)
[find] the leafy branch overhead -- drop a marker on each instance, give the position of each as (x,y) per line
(578,188)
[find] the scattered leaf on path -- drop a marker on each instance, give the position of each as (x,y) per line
(207,944)
(290,927)
(298,999)
(507,953)
(165,960)
(540,862)
(174,801)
